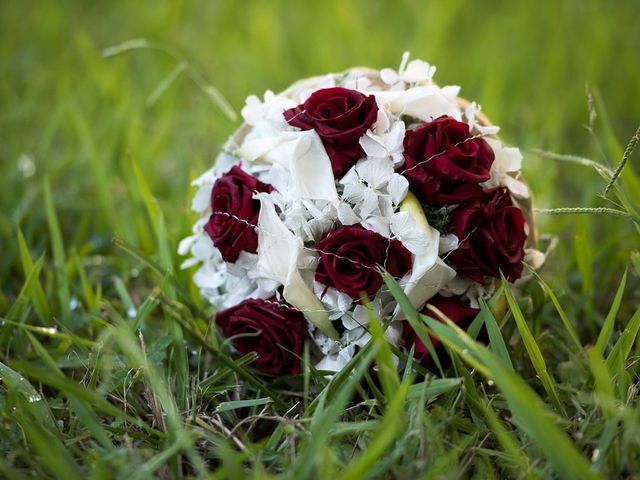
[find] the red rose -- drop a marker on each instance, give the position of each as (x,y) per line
(340,117)
(443,163)
(276,332)
(349,258)
(457,311)
(234,211)
(491,231)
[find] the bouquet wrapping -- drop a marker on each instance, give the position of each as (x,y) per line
(343,176)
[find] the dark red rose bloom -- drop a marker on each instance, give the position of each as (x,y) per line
(491,232)
(276,332)
(444,164)
(233,212)
(349,257)
(454,308)
(340,117)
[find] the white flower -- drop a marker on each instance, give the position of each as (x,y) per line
(304,89)
(267,117)
(202,198)
(346,215)
(303,161)
(355,80)
(448,243)
(336,303)
(504,169)
(307,219)
(470,114)
(424,103)
(337,358)
(534,258)
(386,138)
(336,361)
(418,240)
(468,290)
(374,189)
(415,71)
(279,251)
(428,273)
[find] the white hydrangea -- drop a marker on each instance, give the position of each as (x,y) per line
(505,169)
(385,139)
(408,74)
(374,190)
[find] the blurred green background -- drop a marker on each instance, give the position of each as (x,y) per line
(81,120)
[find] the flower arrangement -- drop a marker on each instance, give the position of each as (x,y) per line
(341,176)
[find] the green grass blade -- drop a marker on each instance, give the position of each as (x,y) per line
(529,411)
(164,85)
(622,349)
(36,292)
(71,388)
(392,424)
(584,260)
(90,420)
(495,336)
(32,398)
(387,370)
(517,462)
(628,151)
(324,418)
(83,410)
(535,355)
(90,298)
(412,316)
(156,218)
(57,246)
(53,453)
(563,315)
(603,383)
(125,47)
(431,388)
(607,326)
(233,405)
(181,443)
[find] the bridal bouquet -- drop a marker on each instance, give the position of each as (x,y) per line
(341,176)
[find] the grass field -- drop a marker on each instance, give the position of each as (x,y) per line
(108,368)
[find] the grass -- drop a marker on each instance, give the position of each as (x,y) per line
(109,367)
